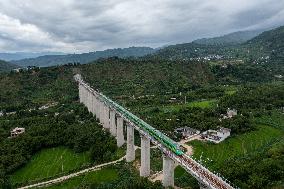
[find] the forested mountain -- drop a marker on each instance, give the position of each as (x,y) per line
(51,60)
(266,47)
(24,55)
(5,66)
(146,76)
(270,43)
(229,39)
(186,51)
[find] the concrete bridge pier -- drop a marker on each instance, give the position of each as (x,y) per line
(119,131)
(96,106)
(101,112)
(91,107)
(88,101)
(112,123)
(145,157)
(106,116)
(93,104)
(130,150)
(80,93)
(84,95)
(168,171)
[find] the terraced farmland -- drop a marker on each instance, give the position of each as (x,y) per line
(235,146)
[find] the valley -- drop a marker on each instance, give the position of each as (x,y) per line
(169,89)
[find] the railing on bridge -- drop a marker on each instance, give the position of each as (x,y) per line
(197,170)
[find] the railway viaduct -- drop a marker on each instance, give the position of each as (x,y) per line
(114,117)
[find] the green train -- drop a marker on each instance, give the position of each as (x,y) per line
(159,136)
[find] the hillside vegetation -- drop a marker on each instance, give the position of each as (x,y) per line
(117,76)
(5,66)
(264,48)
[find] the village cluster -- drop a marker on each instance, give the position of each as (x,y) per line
(20,130)
(215,136)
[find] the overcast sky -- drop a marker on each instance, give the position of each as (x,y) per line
(90,25)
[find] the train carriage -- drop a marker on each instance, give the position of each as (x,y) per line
(172,145)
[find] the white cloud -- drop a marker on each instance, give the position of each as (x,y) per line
(72,25)
(16,35)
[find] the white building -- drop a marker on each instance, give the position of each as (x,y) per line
(17,131)
(230,113)
(187,132)
(216,136)
(278,76)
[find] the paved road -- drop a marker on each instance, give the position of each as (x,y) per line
(66,177)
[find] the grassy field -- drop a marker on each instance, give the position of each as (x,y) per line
(49,163)
(275,119)
(200,104)
(235,146)
(183,179)
(179,171)
(104,175)
(230,90)
(232,147)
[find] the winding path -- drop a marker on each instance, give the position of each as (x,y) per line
(66,177)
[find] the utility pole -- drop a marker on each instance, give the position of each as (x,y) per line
(62,164)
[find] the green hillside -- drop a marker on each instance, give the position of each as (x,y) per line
(269,43)
(187,51)
(5,66)
(131,77)
(268,47)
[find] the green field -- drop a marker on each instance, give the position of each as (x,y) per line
(199,104)
(230,92)
(235,146)
(275,119)
(49,163)
(97,177)
(232,147)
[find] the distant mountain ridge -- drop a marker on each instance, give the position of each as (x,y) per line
(269,43)
(6,66)
(266,47)
(230,39)
(207,46)
(52,60)
(24,55)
